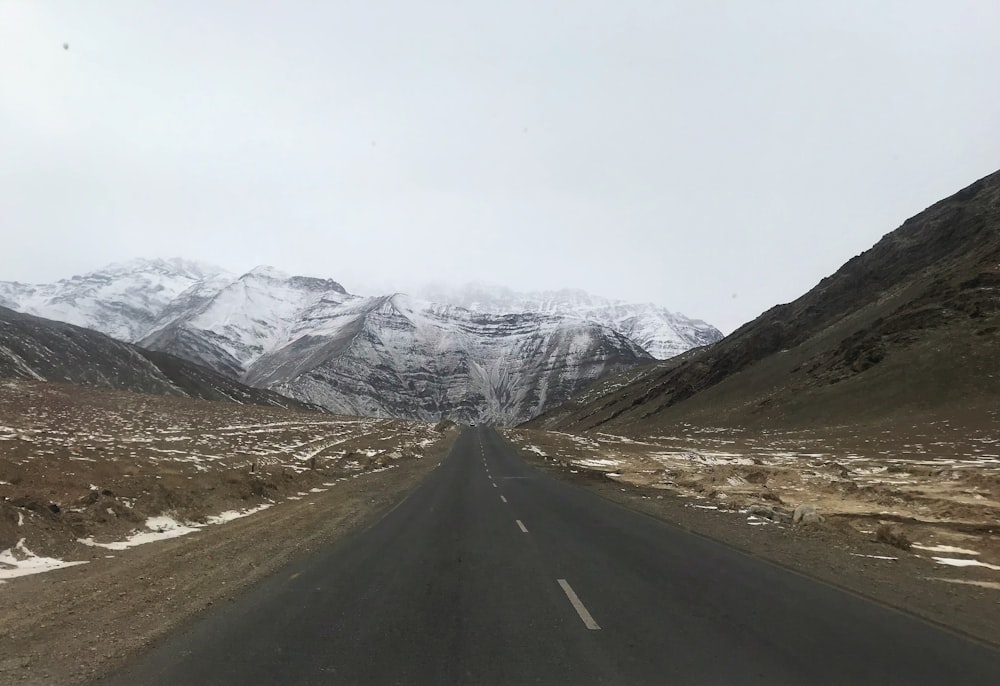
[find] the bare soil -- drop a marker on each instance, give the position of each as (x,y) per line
(890,508)
(142,456)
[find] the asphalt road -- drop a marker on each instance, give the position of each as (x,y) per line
(493,573)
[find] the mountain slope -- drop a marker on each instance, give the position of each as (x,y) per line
(659,331)
(506,360)
(46,350)
(390,355)
(122,300)
(908,327)
(400,357)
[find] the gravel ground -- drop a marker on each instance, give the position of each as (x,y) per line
(73,625)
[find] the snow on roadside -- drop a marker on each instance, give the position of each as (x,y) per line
(230,515)
(163,527)
(19,561)
(158,529)
(945,549)
(597,462)
(957,562)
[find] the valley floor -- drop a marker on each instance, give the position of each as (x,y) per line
(907,517)
(87,478)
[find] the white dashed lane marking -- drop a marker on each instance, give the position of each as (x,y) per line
(577,604)
(521,526)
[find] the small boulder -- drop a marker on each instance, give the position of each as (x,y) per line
(761,511)
(806,514)
(775,514)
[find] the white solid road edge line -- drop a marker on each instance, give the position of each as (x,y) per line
(588,621)
(520,525)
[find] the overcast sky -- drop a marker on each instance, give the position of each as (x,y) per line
(714,157)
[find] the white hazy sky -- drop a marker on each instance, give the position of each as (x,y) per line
(715,157)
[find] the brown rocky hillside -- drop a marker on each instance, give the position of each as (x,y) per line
(911,327)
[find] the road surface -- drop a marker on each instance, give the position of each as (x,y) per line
(491,572)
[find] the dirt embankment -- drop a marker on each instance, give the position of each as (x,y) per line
(911,522)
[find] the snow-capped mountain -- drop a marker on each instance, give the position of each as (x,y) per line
(258,313)
(662,333)
(397,356)
(391,355)
(122,300)
(493,356)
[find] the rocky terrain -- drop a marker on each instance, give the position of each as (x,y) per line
(931,490)
(84,469)
(502,358)
(908,327)
(46,350)
(392,355)
(143,511)
(853,434)
(896,535)
(660,332)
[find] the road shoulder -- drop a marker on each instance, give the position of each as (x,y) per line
(78,624)
(823,553)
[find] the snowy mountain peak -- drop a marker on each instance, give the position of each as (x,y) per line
(121,300)
(267,272)
(479,352)
(662,333)
(171,265)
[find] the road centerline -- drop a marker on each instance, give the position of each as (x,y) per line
(574,600)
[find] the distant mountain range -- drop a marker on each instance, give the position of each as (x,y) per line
(502,357)
(660,332)
(905,330)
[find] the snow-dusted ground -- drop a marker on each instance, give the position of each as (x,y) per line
(164,527)
(133,469)
(941,479)
(19,561)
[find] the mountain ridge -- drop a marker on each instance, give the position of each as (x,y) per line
(41,349)
(388,355)
(905,327)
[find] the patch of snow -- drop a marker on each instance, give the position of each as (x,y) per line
(158,529)
(945,549)
(957,562)
(19,561)
(596,462)
(970,582)
(230,515)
